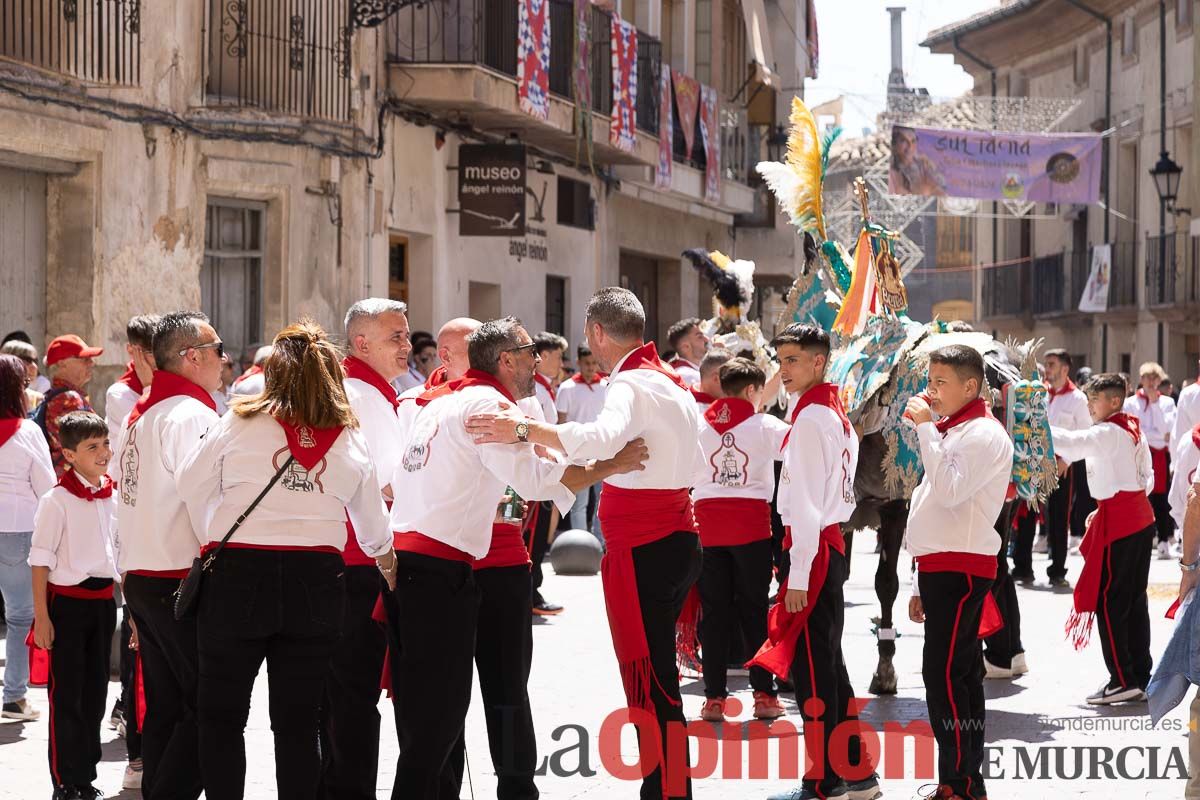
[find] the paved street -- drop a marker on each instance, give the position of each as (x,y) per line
(574,683)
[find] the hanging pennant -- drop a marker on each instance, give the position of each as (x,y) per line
(666,131)
(710,129)
(687,100)
(622,134)
(581,81)
(533,58)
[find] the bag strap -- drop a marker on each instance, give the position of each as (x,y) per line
(242,518)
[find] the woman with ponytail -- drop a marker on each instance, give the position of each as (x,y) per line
(275,591)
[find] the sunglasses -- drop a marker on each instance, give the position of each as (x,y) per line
(529,347)
(220,346)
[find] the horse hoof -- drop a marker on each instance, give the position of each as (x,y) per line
(884,679)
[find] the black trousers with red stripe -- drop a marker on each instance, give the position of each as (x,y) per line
(350,708)
(78,687)
(952,668)
(735,582)
(1058,523)
(819,671)
(1122,616)
(503,655)
(170,669)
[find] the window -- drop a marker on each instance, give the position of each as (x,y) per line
(1183,13)
(575,204)
(735,62)
(231,275)
(556,305)
(398,269)
(94,41)
(1127,364)
(1129,37)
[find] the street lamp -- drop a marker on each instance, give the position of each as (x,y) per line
(1166,175)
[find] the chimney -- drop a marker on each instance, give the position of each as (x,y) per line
(896,76)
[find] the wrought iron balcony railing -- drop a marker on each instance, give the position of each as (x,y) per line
(96,41)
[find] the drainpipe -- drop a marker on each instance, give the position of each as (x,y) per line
(1162,139)
(995,205)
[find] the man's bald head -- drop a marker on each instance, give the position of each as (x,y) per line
(452,345)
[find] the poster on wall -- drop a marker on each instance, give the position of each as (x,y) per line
(491,190)
(533,58)
(1094,299)
(710,129)
(1033,167)
(666,132)
(622,133)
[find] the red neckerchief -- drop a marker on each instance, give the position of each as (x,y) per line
(1196,435)
(308,445)
(728,412)
(72,483)
(362,371)
(250,373)
(702,397)
(1067,388)
(683,362)
(578,378)
(646,357)
(545,382)
(165,385)
(823,394)
(436,378)
(1129,423)
(473,377)
(975,409)
(130,378)
(8,428)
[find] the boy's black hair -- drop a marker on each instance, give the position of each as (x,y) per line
(1110,384)
(965,361)
(807,337)
(75,427)
(738,373)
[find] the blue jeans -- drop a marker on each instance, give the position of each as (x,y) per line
(577,516)
(16,582)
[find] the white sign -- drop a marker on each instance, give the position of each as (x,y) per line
(1095,294)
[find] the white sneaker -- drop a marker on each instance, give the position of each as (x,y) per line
(1041,545)
(992,671)
(1018,664)
(1164,551)
(133,775)
(1107,695)
(20,709)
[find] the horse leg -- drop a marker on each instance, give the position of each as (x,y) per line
(893,517)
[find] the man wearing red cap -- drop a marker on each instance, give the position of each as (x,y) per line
(70,362)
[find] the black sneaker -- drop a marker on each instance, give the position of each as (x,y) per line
(545,609)
(866,789)
(1060,583)
(88,793)
(66,793)
(1023,578)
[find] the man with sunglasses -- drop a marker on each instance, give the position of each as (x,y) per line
(157,543)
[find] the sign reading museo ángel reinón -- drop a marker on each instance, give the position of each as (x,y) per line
(491,190)
(1041,168)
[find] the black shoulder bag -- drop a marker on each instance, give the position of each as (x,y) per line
(188,592)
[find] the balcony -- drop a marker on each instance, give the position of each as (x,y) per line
(1049,285)
(94,42)
(283,56)
(457,59)
(1006,290)
(1122,291)
(1171,272)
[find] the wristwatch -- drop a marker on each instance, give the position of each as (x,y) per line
(1192,567)
(522,432)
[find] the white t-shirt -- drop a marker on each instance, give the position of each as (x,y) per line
(581,402)
(26,473)
(75,538)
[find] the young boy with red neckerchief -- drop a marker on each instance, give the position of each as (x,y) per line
(1155,413)
(967,457)
(74,562)
(1111,589)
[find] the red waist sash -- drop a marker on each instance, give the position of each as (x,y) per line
(732,521)
(631,518)
(507,550)
(352,554)
(783,627)
(39,659)
(1160,458)
(79,593)
(977,566)
(173,574)
(282,548)
(1121,515)
(413,542)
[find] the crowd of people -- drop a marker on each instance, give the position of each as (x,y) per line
(374,514)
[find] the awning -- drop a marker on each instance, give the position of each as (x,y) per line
(758,37)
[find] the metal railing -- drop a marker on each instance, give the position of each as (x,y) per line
(291,56)
(1122,291)
(1006,290)
(1166,261)
(97,41)
(1049,284)
(1080,265)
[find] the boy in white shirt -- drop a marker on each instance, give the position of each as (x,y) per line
(1116,550)
(1155,413)
(74,563)
(580,399)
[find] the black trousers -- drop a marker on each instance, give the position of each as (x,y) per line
(952,667)
(78,686)
(432,619)
(540,531)
(284,607)
(665,570)
(1122,615)
(1082,503)
(1058,523)
(129,703)
(503,655)
(1005,643)
(1164,523)
(1024,531)
(819,671)
(734,586)
(170,741)
(350,706)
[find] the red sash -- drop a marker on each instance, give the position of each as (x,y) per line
(682,363)
(362,371)
(72,483)
(281,548)
(823,394)
(975,565)
(8,428)
(39,659)
(732,521)
(631,518)
(130,378)
(352,554)
(646,357)
(419,543)
(545,382)
(728,412)
(783,627)
(1121,515)
(166,574)
(164,386)
(507,550)
(1160,457)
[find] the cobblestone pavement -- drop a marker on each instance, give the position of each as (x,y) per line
(1037,725)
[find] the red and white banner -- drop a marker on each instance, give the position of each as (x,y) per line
(622,134)
(687,100)
(533,58)
(710,129)
(666,131)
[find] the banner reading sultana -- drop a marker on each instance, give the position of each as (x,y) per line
(1036,167)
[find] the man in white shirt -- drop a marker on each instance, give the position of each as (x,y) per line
(377,343)
(580,399)
(653,553)
(1187,413)
(120,397)
(251,381)
(157,543)
(1067,409)
(708,388)
(967,457)
(1111,589)
(690,344)
(550,348)
(1155,413)
(451,489)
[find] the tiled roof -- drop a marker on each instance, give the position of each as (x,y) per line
(854,153)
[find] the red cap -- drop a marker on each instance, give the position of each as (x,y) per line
(69,346)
